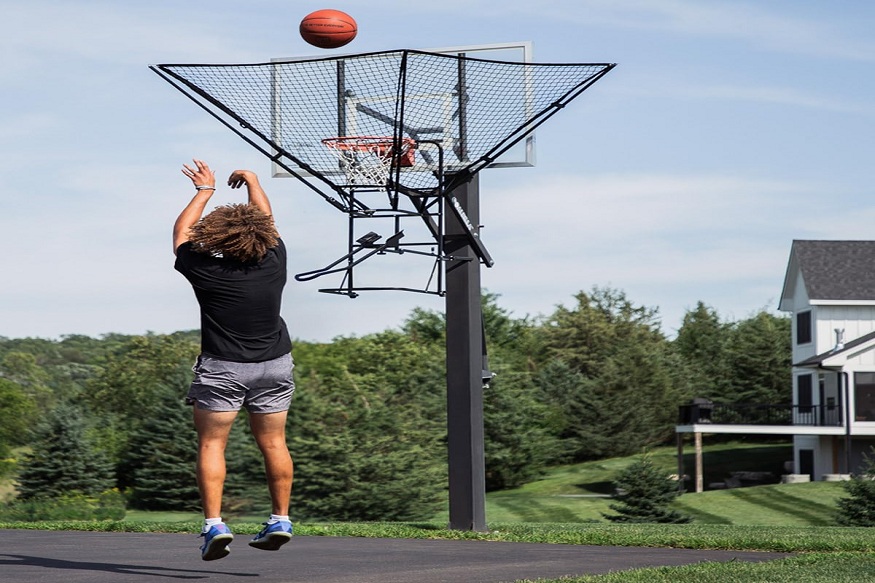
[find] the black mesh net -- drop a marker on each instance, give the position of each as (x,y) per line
(413,125)
(462,113)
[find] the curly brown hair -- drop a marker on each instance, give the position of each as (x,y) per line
(236,231)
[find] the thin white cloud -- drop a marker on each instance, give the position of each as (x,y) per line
(665,86)
(42,32)
(769,27)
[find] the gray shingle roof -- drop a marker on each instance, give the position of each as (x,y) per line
(837,270)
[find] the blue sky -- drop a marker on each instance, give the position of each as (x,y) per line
(727,130)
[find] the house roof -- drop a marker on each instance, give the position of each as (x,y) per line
(837,357)
(833,270)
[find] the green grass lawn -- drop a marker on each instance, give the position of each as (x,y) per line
(812,504)
(576,493)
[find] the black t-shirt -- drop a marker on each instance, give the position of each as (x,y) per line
(240,304)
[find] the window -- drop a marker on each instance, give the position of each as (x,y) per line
(803,327)
(864,396)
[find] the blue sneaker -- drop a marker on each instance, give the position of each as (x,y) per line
(272,536)
(216,541)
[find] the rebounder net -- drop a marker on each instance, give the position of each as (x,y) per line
(405,121)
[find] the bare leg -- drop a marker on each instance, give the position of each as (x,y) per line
(269,430)
(213,428)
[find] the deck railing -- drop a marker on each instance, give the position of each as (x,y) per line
(771,414)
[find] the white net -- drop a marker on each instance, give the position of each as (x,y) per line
(367,160)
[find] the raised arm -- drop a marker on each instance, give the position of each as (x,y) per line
(257,195)
(204,181)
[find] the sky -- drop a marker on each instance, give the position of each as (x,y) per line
(727,130)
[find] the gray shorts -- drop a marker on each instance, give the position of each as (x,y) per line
(261,387)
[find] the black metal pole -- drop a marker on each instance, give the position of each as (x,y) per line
(467,474)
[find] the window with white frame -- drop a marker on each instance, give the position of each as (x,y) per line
(864,396)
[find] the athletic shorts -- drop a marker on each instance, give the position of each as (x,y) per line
(261,387)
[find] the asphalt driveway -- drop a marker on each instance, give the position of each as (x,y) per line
(28,556)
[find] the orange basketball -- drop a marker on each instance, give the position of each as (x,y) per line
(328,29)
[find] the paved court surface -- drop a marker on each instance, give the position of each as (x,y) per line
(28,556)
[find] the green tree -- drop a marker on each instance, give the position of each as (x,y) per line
(759,360)
(587,335)
(858,508)
(518,441)
(134,381)
(22,369)
(161,456)
(702,343)
(17,413)
(576,413)
(63,459)
(617,383)
(367,429)
(644,494)
(138,372)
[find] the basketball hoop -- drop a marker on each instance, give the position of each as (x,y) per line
(367,160)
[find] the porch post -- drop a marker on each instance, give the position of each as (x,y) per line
(680,443)
(699,473)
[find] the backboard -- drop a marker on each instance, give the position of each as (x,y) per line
(441,119)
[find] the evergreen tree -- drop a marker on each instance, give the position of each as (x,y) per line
(63,459)
(519,439)
(621,388)
(137,381)
(702,343)
(858,508)
(518,442)
(759,359)
(644,493)
(366,430)
(161,458)
(576,413)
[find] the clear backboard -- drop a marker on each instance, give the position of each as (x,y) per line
(441,120)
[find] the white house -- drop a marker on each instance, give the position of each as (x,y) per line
(829,290)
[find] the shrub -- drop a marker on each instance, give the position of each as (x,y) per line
(63,458)
(644,493)
(858,509)
(109,505)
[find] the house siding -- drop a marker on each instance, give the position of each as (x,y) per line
(856,321)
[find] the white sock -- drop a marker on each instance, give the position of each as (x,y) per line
(274,518)
(208,522)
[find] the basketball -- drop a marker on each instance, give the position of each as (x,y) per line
(328,29)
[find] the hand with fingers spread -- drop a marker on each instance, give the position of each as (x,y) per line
(204,181)
(240,177)
(249,179)
(201,176)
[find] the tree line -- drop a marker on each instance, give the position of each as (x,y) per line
(367,428)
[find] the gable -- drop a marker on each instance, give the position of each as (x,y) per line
(832,271)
